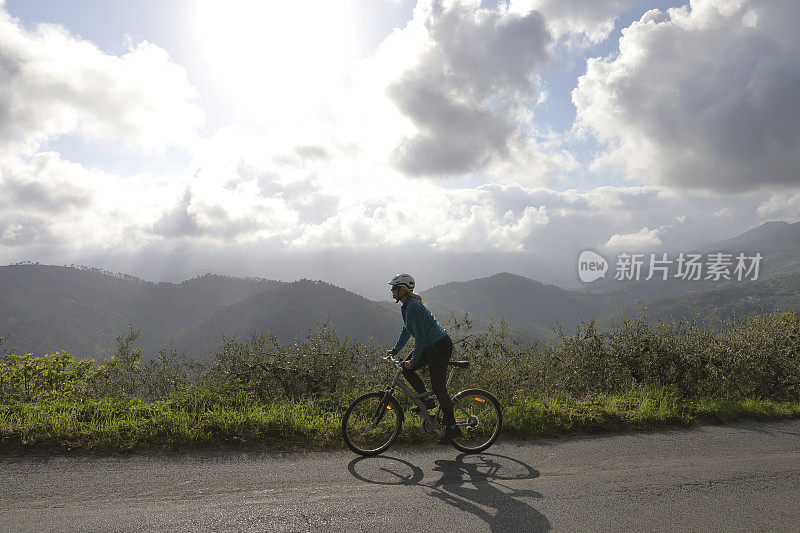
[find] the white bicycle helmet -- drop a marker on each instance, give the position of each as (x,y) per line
(403,280)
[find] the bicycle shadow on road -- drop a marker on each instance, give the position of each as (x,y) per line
(470,483)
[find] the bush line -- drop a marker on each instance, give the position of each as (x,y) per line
(258,393)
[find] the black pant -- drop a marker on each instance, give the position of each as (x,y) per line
(436,357)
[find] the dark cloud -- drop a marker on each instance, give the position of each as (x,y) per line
(178,222)
(311,152)
(305,198)
(217,221)
(486,53)
(454,137)
(464,92)
(43,196)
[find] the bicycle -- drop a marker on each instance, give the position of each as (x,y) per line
(372,422)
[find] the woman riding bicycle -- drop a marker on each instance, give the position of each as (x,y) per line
(432,347)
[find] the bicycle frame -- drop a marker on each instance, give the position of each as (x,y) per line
(400,381)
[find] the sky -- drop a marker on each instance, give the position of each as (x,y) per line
(349,141)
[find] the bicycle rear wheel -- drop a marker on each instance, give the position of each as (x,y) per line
(370,426)
(479,418)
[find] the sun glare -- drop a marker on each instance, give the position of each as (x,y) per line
(275,58)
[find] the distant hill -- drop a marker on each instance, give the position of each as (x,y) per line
(526,305)
(767,229)
(532,307)
(163,308)
(46,308)
(288,311)
(778,243)
(777,293)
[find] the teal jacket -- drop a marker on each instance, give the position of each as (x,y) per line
(419,323)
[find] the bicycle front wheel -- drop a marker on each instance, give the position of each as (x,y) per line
(479,418)
(370,425)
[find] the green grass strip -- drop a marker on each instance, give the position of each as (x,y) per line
(126,425)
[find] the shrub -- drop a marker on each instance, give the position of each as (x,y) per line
(757,356)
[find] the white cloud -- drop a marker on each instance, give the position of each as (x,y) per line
(484,230)
(725,212)
(52,84)
(701,97)
(644,239)
(513,218)
(239,195)
(264,214)
(781,206)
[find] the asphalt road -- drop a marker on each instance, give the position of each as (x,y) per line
(744,477)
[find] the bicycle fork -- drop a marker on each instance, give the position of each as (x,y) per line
(382,406)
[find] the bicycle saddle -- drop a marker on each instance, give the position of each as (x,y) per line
(459,364)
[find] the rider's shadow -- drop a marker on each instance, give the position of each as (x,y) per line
(473,484)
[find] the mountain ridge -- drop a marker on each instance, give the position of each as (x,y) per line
(288,311)
(81,310)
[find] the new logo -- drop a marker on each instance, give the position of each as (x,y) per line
(591,266)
